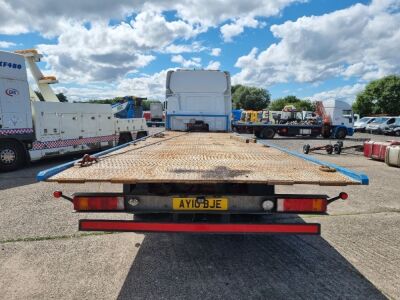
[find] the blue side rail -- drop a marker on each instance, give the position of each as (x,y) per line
(45,174)
(362,178)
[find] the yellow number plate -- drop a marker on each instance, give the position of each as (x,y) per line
(200,203)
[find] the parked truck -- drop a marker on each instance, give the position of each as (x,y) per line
(200,177)
(31,129)
(334,119)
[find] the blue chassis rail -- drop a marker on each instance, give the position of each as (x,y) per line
(362,178)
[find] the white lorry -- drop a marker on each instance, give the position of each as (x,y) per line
(31,129)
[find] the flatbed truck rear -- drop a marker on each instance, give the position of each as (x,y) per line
(181,180)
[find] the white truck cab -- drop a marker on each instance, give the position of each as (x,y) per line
(15,107)
(341,116)
(189,107)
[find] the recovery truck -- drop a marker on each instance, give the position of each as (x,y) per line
(335,119)
(199,177)
(31,129)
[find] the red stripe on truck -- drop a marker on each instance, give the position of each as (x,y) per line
(16,131)
(111,225)
(72,142)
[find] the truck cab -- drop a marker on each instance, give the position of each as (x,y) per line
(16,125)
(342,117)
(198,100)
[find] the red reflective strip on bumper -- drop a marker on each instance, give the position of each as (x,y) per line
(109,225)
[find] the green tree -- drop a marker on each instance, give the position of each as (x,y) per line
(280,103)
(250,98)
(380,96)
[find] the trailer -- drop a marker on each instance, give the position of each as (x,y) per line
(335,120)
(31,129)
(213,181)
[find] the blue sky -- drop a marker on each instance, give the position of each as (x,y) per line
(315,49)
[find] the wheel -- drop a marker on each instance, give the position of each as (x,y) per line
(341,133)
(397,133)
(329,149)
(337,149)
(124,137)
(306,149)
(12,156)
(141,134)
(326,131)
(267,133)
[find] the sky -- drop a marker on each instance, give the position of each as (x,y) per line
(315,49)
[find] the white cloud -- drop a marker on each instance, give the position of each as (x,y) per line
(359,41)
(213,65)
(235,28)
(103,52)
(47,16)
(4,44)
(184,48)
(215,52)
(347,93)
(150,86)
(194,62)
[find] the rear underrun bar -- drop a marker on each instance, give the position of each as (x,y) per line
(133,226)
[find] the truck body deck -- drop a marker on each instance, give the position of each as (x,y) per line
(201,158)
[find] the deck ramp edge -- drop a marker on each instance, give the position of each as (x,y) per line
(361,177)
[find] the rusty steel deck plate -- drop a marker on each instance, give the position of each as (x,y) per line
(180,157)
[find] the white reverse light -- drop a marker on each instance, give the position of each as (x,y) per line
(268,205)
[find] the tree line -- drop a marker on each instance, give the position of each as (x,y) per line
(253,98)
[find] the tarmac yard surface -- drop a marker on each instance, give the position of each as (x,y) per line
(357,256)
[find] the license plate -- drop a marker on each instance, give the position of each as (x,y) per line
(305,131)
(200,203)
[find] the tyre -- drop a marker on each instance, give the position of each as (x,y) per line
(267,133)
(124,137)
(306,149)
(341,133)
(12,156)
(141,134)
(329,149)
(397,133)
(337,149)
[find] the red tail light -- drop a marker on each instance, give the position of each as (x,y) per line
(302,205)
(103,203)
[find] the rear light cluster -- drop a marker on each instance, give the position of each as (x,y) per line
(303,205)
(86,203)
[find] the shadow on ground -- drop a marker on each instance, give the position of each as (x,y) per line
(242,267)
(27,175)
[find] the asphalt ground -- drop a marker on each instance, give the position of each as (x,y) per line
(357,256)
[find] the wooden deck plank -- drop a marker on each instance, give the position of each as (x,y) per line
(201,158)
